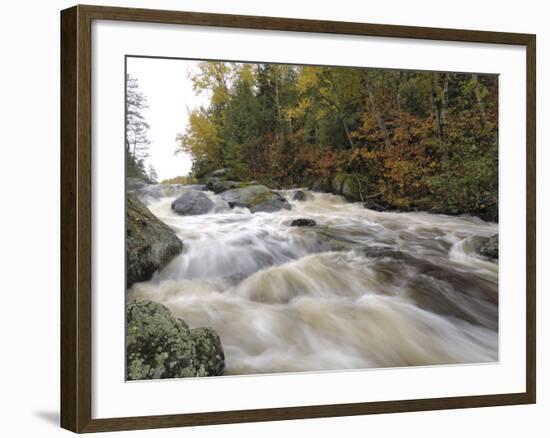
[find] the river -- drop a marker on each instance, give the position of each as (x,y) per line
(362,289)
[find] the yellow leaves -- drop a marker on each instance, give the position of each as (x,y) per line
(201,138)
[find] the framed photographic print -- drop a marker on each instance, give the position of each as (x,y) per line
(268,218)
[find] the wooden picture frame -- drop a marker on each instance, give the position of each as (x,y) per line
(76,217)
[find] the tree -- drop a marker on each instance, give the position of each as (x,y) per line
(153,176)
(137,140)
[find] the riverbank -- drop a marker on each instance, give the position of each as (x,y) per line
(358,188)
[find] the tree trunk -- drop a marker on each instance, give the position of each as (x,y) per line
(347,131)
(439,99)
(377,114)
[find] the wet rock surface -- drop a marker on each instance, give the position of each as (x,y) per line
(192,203)
(150,243)
(303,222)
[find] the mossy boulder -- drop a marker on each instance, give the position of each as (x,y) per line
(257,198)
(159,346)
(217,185)
(150,243)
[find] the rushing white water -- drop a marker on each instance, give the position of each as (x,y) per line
(361,289)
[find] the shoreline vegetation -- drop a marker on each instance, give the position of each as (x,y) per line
(409,141)
(394,141)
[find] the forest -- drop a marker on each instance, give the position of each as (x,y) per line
(413,140)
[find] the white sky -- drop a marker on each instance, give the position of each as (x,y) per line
(170,97)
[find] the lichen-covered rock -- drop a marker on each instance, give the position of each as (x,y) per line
(299,196)
(303,222)
(150,243)
(488,247)
(257,198)
(192,203)
(159,346)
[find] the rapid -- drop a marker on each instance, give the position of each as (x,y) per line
(361,289)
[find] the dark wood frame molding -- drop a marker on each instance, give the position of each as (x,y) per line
(76,219)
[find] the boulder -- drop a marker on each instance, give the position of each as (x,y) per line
(219,186)
(303,222)
(159,346)
(257,198)
(488,247)
(299,196)
(150,243)
(371,204)
(192,203)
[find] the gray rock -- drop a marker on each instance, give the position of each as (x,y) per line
(303,222)
(218,186)
(192,203)
(299,196)
(159,346)
(371,204)
(150,243)
(256,198)
(271,206)
(488,247)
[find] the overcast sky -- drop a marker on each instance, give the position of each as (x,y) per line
(170,97)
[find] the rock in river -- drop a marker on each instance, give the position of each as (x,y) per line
(218,186)
(256,198)
(488,247)
(302,222)
(150,243)
(159,346)
(192,203)
(371,204)
(299,196)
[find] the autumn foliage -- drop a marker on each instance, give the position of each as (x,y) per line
(422,140)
